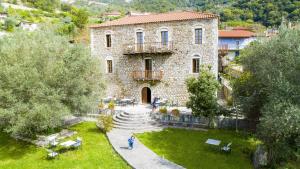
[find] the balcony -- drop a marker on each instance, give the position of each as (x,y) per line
(148,48)
(229,47)
(147,75)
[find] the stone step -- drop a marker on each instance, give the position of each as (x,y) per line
(133,116)
(131,122)
(137,128)
(132,119)
(135,125)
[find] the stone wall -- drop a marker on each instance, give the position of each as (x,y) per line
(176,67)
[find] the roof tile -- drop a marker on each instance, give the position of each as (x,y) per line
(153,18)
(235,34)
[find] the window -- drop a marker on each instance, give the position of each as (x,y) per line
(139,41)
(109,66)
(237,53)
(139,38)
(196,65)
(108,40)
(164,37)
(198,36)
(237,44)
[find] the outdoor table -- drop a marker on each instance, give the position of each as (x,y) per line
(213,142)
(126,100)
(68,143)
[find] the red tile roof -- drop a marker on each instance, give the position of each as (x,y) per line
(236,33)
(153,18)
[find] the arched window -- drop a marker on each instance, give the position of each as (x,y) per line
(108,38)
(139,39)
(196,62)
(109,65)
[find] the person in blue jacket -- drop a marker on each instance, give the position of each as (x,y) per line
(130,142)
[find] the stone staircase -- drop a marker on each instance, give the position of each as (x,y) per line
(137,122)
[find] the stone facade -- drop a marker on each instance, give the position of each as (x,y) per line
(176,67)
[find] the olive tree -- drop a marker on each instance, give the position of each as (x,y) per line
(43,78)
(269,90)
(202,94)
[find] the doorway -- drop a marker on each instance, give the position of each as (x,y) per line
(146,95)
(148,68)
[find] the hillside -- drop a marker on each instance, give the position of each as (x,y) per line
(266,12)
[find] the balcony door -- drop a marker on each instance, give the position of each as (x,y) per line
(139,41)
(148,68)
(164,38)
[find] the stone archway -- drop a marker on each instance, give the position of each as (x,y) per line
(146,95)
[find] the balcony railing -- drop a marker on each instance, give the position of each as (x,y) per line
(149,48)
(229,47)
(147,75)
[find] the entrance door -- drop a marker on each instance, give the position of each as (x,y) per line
(148,68)
(146,95)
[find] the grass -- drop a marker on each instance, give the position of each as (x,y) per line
(96,153)
(188,149)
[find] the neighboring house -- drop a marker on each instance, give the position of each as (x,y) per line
(231,42)
(152,55)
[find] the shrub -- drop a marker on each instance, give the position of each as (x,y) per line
(163,110)
(105,123)
(229,101)
(100,105)
(175,112)
(111,105)
(9,24)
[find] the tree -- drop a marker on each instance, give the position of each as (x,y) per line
(80,17)
(10,24)
(269,89)
(47,5)
(203,97)
(43,78)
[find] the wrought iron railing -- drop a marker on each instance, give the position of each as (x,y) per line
(151,47)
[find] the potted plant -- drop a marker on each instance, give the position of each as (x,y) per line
(175,113)
(163,110)
(101,106)
(111,106)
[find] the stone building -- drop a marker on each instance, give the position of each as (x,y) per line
(152,55)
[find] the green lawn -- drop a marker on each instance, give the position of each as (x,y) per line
(188,148)
(96,152)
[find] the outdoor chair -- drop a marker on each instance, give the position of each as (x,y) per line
(53,143)
(51,154)
(227,148)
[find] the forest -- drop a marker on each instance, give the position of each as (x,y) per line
(269,13)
